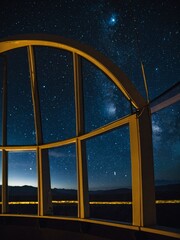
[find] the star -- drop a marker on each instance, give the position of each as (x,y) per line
(112,20)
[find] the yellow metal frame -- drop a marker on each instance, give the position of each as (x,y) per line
(143,196)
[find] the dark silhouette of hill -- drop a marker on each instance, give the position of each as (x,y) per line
(170,191)
(167,214)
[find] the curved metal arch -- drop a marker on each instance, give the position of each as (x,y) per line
(140,131)
(95,57)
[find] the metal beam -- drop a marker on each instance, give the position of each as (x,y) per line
(82,173)
(135,171)
(35,96)
(166,103)
(4,140)
(4,182)
(143,189)
(101,61)
(44,182)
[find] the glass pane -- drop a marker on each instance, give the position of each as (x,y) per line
(103,101)
(166,142)
(56,88)
(22,182)
(109,175)
(20,119)
(63,180)
(158,43)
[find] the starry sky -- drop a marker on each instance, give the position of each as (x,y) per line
(127,32)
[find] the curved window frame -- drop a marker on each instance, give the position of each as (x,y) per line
(143,193)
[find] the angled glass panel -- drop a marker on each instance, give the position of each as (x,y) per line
(103,101)
(56,91)
(109,175)
(166,142)
(63,180)
(20,118)
(22,182)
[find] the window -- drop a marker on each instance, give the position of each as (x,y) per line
(109,175)
(20,117)
(63,170)
(56,91)
(109,103)
(166,164)
(22,182)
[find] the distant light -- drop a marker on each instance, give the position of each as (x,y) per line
(30,169)
(98,203)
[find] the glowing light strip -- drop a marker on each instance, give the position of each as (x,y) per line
(110,203)
(92,203)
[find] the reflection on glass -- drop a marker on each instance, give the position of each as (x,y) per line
(166,142)
(63,180)
(109,175)
(22,182)
(103,101)
(56,90)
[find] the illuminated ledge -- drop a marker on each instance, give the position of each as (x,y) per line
(95,229)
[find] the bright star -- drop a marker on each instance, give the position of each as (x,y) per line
(112,20)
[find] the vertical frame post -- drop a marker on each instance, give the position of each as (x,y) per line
(83,196)
(4,140)
(44,185)
(143,189)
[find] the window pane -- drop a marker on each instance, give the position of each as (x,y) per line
(166,142)
(109,175)
(56,88)
(22,182)
(20,119)
(103,101)
(63,180)
(158,43)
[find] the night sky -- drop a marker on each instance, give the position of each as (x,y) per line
(125,31)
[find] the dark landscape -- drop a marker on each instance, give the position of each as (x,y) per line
(167,213)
